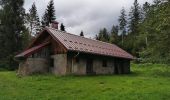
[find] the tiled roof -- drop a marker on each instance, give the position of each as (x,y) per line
(81,44)
(32,50)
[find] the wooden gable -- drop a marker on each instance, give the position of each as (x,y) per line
(44,37)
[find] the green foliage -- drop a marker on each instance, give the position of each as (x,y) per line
(12,31)
(122,24)
(103,35)
(114,37)
(33,21)
(148,37)
(135,18)
(145,10)
(44,21)
(49,14)
(156,28)
(147,82)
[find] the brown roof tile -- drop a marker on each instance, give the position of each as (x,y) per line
(32,50)
(81,44)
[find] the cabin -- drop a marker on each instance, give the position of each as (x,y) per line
(62,53)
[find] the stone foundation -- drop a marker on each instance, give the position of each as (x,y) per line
(33,66)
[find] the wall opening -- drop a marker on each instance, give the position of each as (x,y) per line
(89,66)
(51,65)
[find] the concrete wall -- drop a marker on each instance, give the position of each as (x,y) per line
(60,64)
(33,65)
(99,69)
(65,64)
(79,68)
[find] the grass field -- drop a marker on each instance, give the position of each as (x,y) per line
(146,82)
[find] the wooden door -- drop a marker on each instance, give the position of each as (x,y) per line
(116,64)
(119,68)
(89,66)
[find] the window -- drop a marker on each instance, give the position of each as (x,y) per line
(104,63)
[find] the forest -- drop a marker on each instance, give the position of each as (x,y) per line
(144,31)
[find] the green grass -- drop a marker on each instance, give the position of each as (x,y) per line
(147,82)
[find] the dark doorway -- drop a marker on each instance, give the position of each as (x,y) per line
(116,69)
(89,66)
(119,66)
(51,62)
(122,67)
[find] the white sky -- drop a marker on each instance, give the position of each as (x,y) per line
(86,15)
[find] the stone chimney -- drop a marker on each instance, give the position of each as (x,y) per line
(54,24)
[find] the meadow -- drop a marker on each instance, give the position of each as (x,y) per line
(146,82)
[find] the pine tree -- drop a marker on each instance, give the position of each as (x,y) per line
(62,27)
(1,36)
(82,33)
(51,11)
(13,30)
(49,14)
(114,37)
(145,10)
(122,24)
(134,21)
(33,21)
(44,21)
(103,35)
(135,18)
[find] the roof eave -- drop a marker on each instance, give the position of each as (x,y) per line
(129,58)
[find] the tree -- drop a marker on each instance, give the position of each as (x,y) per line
(157,2)
(33,21)
(135,17)
(156,28)
(145,10)
(12,31)
(103,35)
(49,14)
(45,21)
(114,37)
(134,21)
(62,27)
(122,24)
(82,33)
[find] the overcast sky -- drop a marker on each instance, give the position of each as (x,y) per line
(86,15)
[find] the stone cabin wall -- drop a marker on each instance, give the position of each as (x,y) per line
(33,66)
(60,64)
(65,64)
(79,68)
(114,65)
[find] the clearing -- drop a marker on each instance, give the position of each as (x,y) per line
(146,82)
